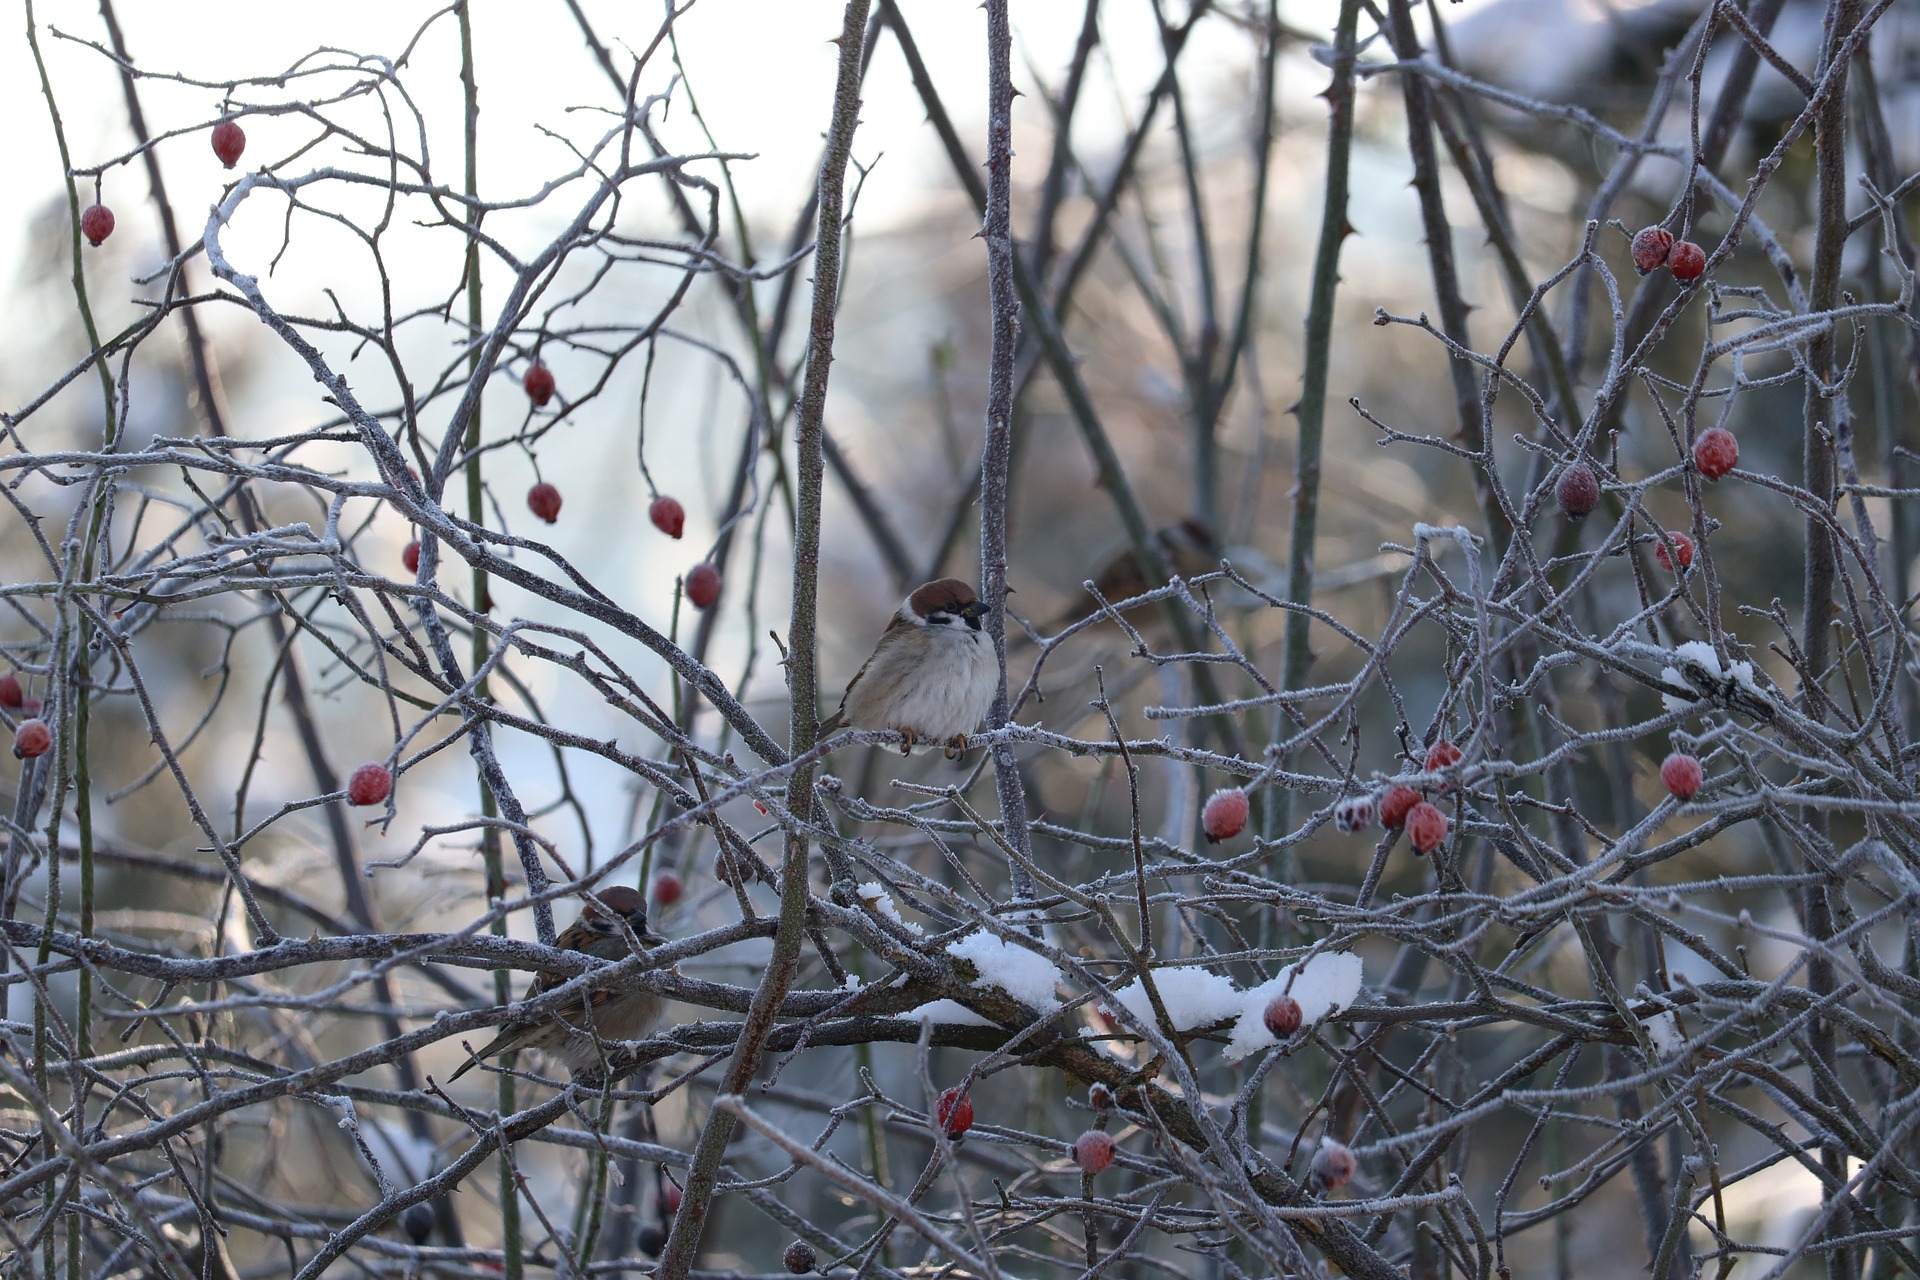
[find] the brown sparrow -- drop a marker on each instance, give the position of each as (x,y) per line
(573,1036)
(1189,548)
(933,674)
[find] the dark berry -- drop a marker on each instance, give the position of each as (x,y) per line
(1283,1016)
(1650,246)
(31,739)
(1396,804)
(1716,452)
(229,140)
(370,784)
(1426,827)
(703,586)
(1578,491)
(96,224)
(668,516)
(954,1111)
(1225,815)
(800,1258)
(544,501)
(1681,774)
(1686,260)
(538,383)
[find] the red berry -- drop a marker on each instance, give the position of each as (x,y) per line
(31,739)
(96,224)
(666,888)
(1426,827)
(370,784)
(539,383)
(1283,1016)
(1333,1164)
(1093,1151)
(800,1258)
(1681,774)
(1353,814)
(1442,755)
(668,516)
(1396,804)
(410,556)
(668,1200)
(1716,452)
(12,695)
(1650,245)
(1686,260)
(954,1111)
(544,501)
(1682,546)
(229,140)
(1225,815)
(703,586)
(1578,491)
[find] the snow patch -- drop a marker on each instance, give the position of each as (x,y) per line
(1194,998)
(1327,982)
(948,1012)
(1026,976)
(875,895)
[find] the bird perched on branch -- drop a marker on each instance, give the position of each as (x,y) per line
(614,919)
(931,677)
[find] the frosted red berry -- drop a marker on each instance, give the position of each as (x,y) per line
(1681,774)
(668,516)
(1686,260)
(370,784)
(1353,814)
(1426,827)
(31,739)
(953,1111)
(1682,548)
(1396,803)
(800,1258)
(410,556)
(12,696)
(96,224)
(1283,1016)
(1442,755)
(538,383)
(1650,246)
(1333,1164)
(703,586)
(1578,491)
(1716,452)
(1225,815)
(544,501)
(229,141)
(1093,1151)
(667,1200)
(666,888)
(1099,1097)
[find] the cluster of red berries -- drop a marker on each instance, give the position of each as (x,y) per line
(229,141)
(1402,806)
(1655,247)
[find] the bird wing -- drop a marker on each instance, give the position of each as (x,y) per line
(838,720)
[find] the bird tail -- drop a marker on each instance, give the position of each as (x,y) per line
(834,723)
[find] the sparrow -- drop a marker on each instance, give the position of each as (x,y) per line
(574,1035)
(931,677)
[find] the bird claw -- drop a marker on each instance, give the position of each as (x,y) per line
(956,746)
(908,741)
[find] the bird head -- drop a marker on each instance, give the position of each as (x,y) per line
(609,908)
(945,603)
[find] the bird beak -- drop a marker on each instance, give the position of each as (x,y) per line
(977,609)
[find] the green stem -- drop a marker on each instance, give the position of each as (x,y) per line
(491,852)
